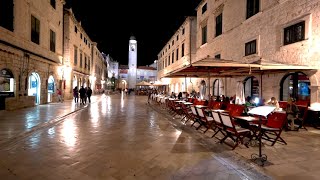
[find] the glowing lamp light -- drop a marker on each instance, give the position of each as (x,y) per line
(256,100)
(315,106)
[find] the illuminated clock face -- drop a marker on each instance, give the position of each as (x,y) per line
(132,47)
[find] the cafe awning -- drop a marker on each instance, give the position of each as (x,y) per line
(230,68)
(143,83)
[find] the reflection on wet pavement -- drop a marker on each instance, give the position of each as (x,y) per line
(119,137)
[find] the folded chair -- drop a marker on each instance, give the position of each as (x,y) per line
(196,118)
(217,125)
(187,113)
(271,131)
(206,120)
(234,132)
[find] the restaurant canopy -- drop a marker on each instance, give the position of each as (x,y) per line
(230,68)
(143,83)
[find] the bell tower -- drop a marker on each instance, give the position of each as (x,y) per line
(132,64)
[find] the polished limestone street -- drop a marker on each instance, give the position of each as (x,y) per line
(118,137)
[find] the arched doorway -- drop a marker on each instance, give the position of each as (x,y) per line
(295,85)
(251,87)
(123,84)
(217,87)
(50,88)
(34,86)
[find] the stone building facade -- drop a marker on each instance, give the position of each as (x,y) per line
(283,32)
(178,53)
(77,52)
(31,52)
(99,71)
(84,63)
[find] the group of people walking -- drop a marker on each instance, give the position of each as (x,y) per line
(84,94)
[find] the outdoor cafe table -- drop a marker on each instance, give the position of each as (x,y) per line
(261,157)
(248,118)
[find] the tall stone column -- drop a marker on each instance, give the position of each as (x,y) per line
(132,64)
(314,94)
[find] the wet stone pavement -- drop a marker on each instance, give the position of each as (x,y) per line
(115,137)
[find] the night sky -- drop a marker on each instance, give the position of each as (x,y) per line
(110,23)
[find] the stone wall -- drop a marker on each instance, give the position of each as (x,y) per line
(13,103)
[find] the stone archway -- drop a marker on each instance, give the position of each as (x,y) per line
(295,85)
(123,84)
(251,87)
(217,87)
(34,88)
(51,88)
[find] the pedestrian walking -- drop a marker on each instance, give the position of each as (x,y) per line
(59,93)
(89,93)
(76,94)
(82,92)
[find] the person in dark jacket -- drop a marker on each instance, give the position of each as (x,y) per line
(292,111)
(82,92)
(89,93)
(76,94)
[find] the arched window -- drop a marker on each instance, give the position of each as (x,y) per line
(295,85)
(51,84)
(216,87)
(251,87)
(6,82)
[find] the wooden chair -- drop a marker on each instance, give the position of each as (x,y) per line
(234,132)
(196,118)
(271,131)
(216,105)
(206,120)
(237,110)
(217,125)
(283,104)
(187,113)
(303,103)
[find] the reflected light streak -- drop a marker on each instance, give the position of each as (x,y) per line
(122,101)
(104,105)
(34,141)
(109,103)
(177,134)
(95,115)
(51,132)
(69,133)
